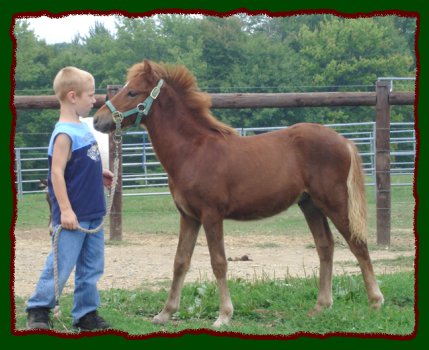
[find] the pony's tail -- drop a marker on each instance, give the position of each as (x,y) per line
(356,204)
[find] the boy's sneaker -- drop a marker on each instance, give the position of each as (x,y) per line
(38,318)
(91,322)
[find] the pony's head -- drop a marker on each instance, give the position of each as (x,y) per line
(133,101)
(139,97)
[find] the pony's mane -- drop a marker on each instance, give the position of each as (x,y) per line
(184,84)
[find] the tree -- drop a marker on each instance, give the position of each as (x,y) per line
(352,52)
(103,58)
(32,59)
(343,53)
(184,44)
(222,40)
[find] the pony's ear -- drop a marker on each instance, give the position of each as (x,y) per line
(147,67)
(150,71)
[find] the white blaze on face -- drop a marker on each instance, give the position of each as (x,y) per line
(102,140)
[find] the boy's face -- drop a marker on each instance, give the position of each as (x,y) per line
(85,102)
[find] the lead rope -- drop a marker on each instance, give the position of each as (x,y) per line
(117,139)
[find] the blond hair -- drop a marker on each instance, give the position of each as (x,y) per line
(71,79)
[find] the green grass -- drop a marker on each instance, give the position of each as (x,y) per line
(262,307)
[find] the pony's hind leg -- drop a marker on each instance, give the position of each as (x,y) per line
(214,232)
(187,238)
(324,241)
(360,250)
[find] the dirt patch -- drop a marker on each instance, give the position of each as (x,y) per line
(146,260)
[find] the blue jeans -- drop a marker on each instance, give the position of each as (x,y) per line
(85,251)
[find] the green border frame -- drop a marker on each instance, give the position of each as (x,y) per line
(351,8)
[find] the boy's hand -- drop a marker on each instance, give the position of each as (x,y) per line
(69,220)
(107,178)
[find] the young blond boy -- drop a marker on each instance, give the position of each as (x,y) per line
(75,182)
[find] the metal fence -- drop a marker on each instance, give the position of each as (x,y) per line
(143,175)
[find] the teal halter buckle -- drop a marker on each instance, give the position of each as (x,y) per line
(142,109)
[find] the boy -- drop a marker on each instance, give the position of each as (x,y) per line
(75,181)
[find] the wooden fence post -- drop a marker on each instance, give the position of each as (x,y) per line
(116,211)
(382,167)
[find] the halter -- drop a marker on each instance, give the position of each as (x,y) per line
(142,109)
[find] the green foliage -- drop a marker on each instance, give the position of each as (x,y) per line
(352,51)
(232,54)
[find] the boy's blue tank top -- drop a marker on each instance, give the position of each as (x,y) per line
(83,173)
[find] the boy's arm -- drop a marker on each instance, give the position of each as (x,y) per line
(60,156)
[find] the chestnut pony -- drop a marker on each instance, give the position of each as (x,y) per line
(214,174)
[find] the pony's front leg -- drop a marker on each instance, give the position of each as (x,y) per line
(214,234)
(188,236)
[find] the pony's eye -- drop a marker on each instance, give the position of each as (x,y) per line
(132,93)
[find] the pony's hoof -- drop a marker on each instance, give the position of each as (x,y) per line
(318,308)
(377,303)
(221,322)
(161,318)
(314,311)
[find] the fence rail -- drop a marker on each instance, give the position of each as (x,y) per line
(252,100)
